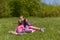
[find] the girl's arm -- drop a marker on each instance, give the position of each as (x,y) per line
(27,22)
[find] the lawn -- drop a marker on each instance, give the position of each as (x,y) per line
(52,31)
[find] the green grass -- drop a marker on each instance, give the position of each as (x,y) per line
(52,31)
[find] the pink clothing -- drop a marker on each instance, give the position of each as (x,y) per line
(31,28)
(19,28)
(28,28)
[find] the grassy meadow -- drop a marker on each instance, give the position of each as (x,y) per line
(52,31)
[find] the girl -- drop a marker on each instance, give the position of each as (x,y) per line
(24,26)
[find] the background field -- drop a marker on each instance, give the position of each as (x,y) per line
(52,31)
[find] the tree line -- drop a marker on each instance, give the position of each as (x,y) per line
(15,8)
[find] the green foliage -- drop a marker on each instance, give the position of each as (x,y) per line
(16,8)
(2,8)
(24,7)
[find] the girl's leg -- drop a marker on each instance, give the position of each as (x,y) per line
(13,32)
(18,30)
(29,31)
(34,28)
